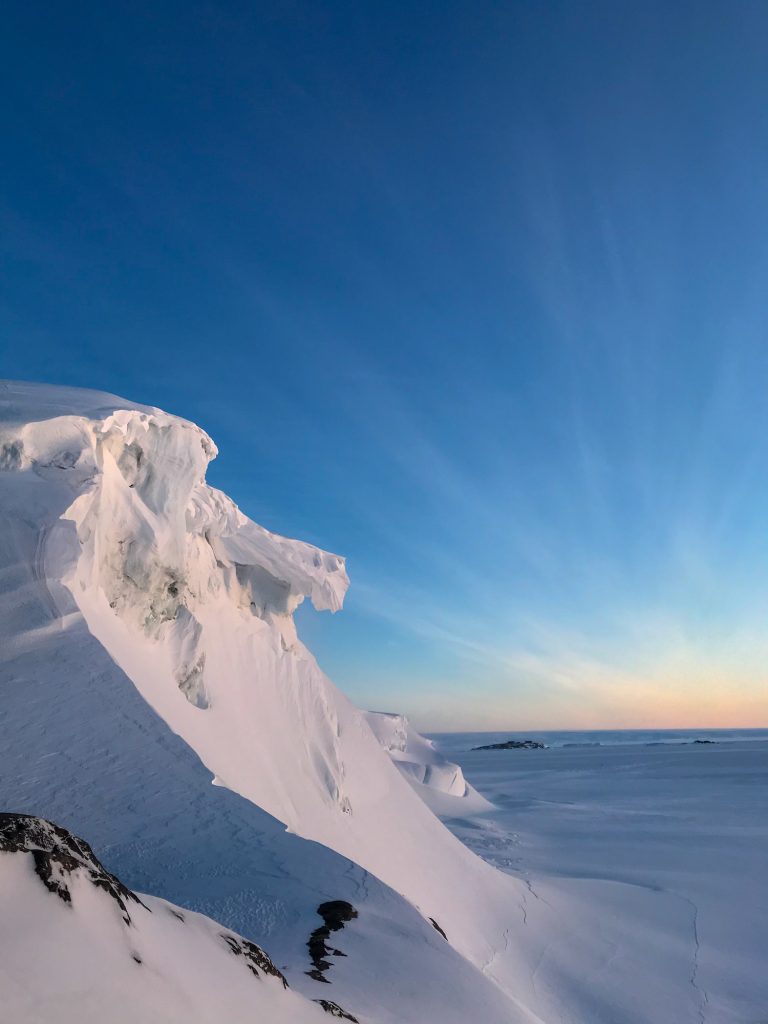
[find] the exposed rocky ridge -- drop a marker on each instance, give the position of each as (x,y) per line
(57,854)
(82,948)
(255,957)
(335,1010)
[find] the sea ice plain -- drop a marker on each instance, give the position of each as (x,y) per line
(674,823)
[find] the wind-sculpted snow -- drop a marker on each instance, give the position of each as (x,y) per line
(120,563)
(195,603)
(147,644)
(166,552)
(439,782)
(159,542)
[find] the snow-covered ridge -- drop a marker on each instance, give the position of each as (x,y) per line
(416,756)
(111,525)
(146,645)
(79,945)
(160,542)
(155,551)
(157,539)
(438,781)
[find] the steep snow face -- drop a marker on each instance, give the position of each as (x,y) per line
(161,544)
(439,782)
(201,602)
(155,553)
(146,640)
(194,603)
(80,745)
(78,946)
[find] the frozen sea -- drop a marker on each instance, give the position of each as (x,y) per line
(660,840)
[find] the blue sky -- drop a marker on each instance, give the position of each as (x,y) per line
(472,293)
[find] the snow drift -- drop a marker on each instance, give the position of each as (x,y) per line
(439,782)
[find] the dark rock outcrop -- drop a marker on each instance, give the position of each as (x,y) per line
(437,928)
(56,854)
(514,745)
(335,1010)
(335,914)
(255,958)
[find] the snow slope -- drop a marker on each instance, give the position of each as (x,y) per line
(112,594)
(77,944)
(439,782)
(194,602)
(147,646)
